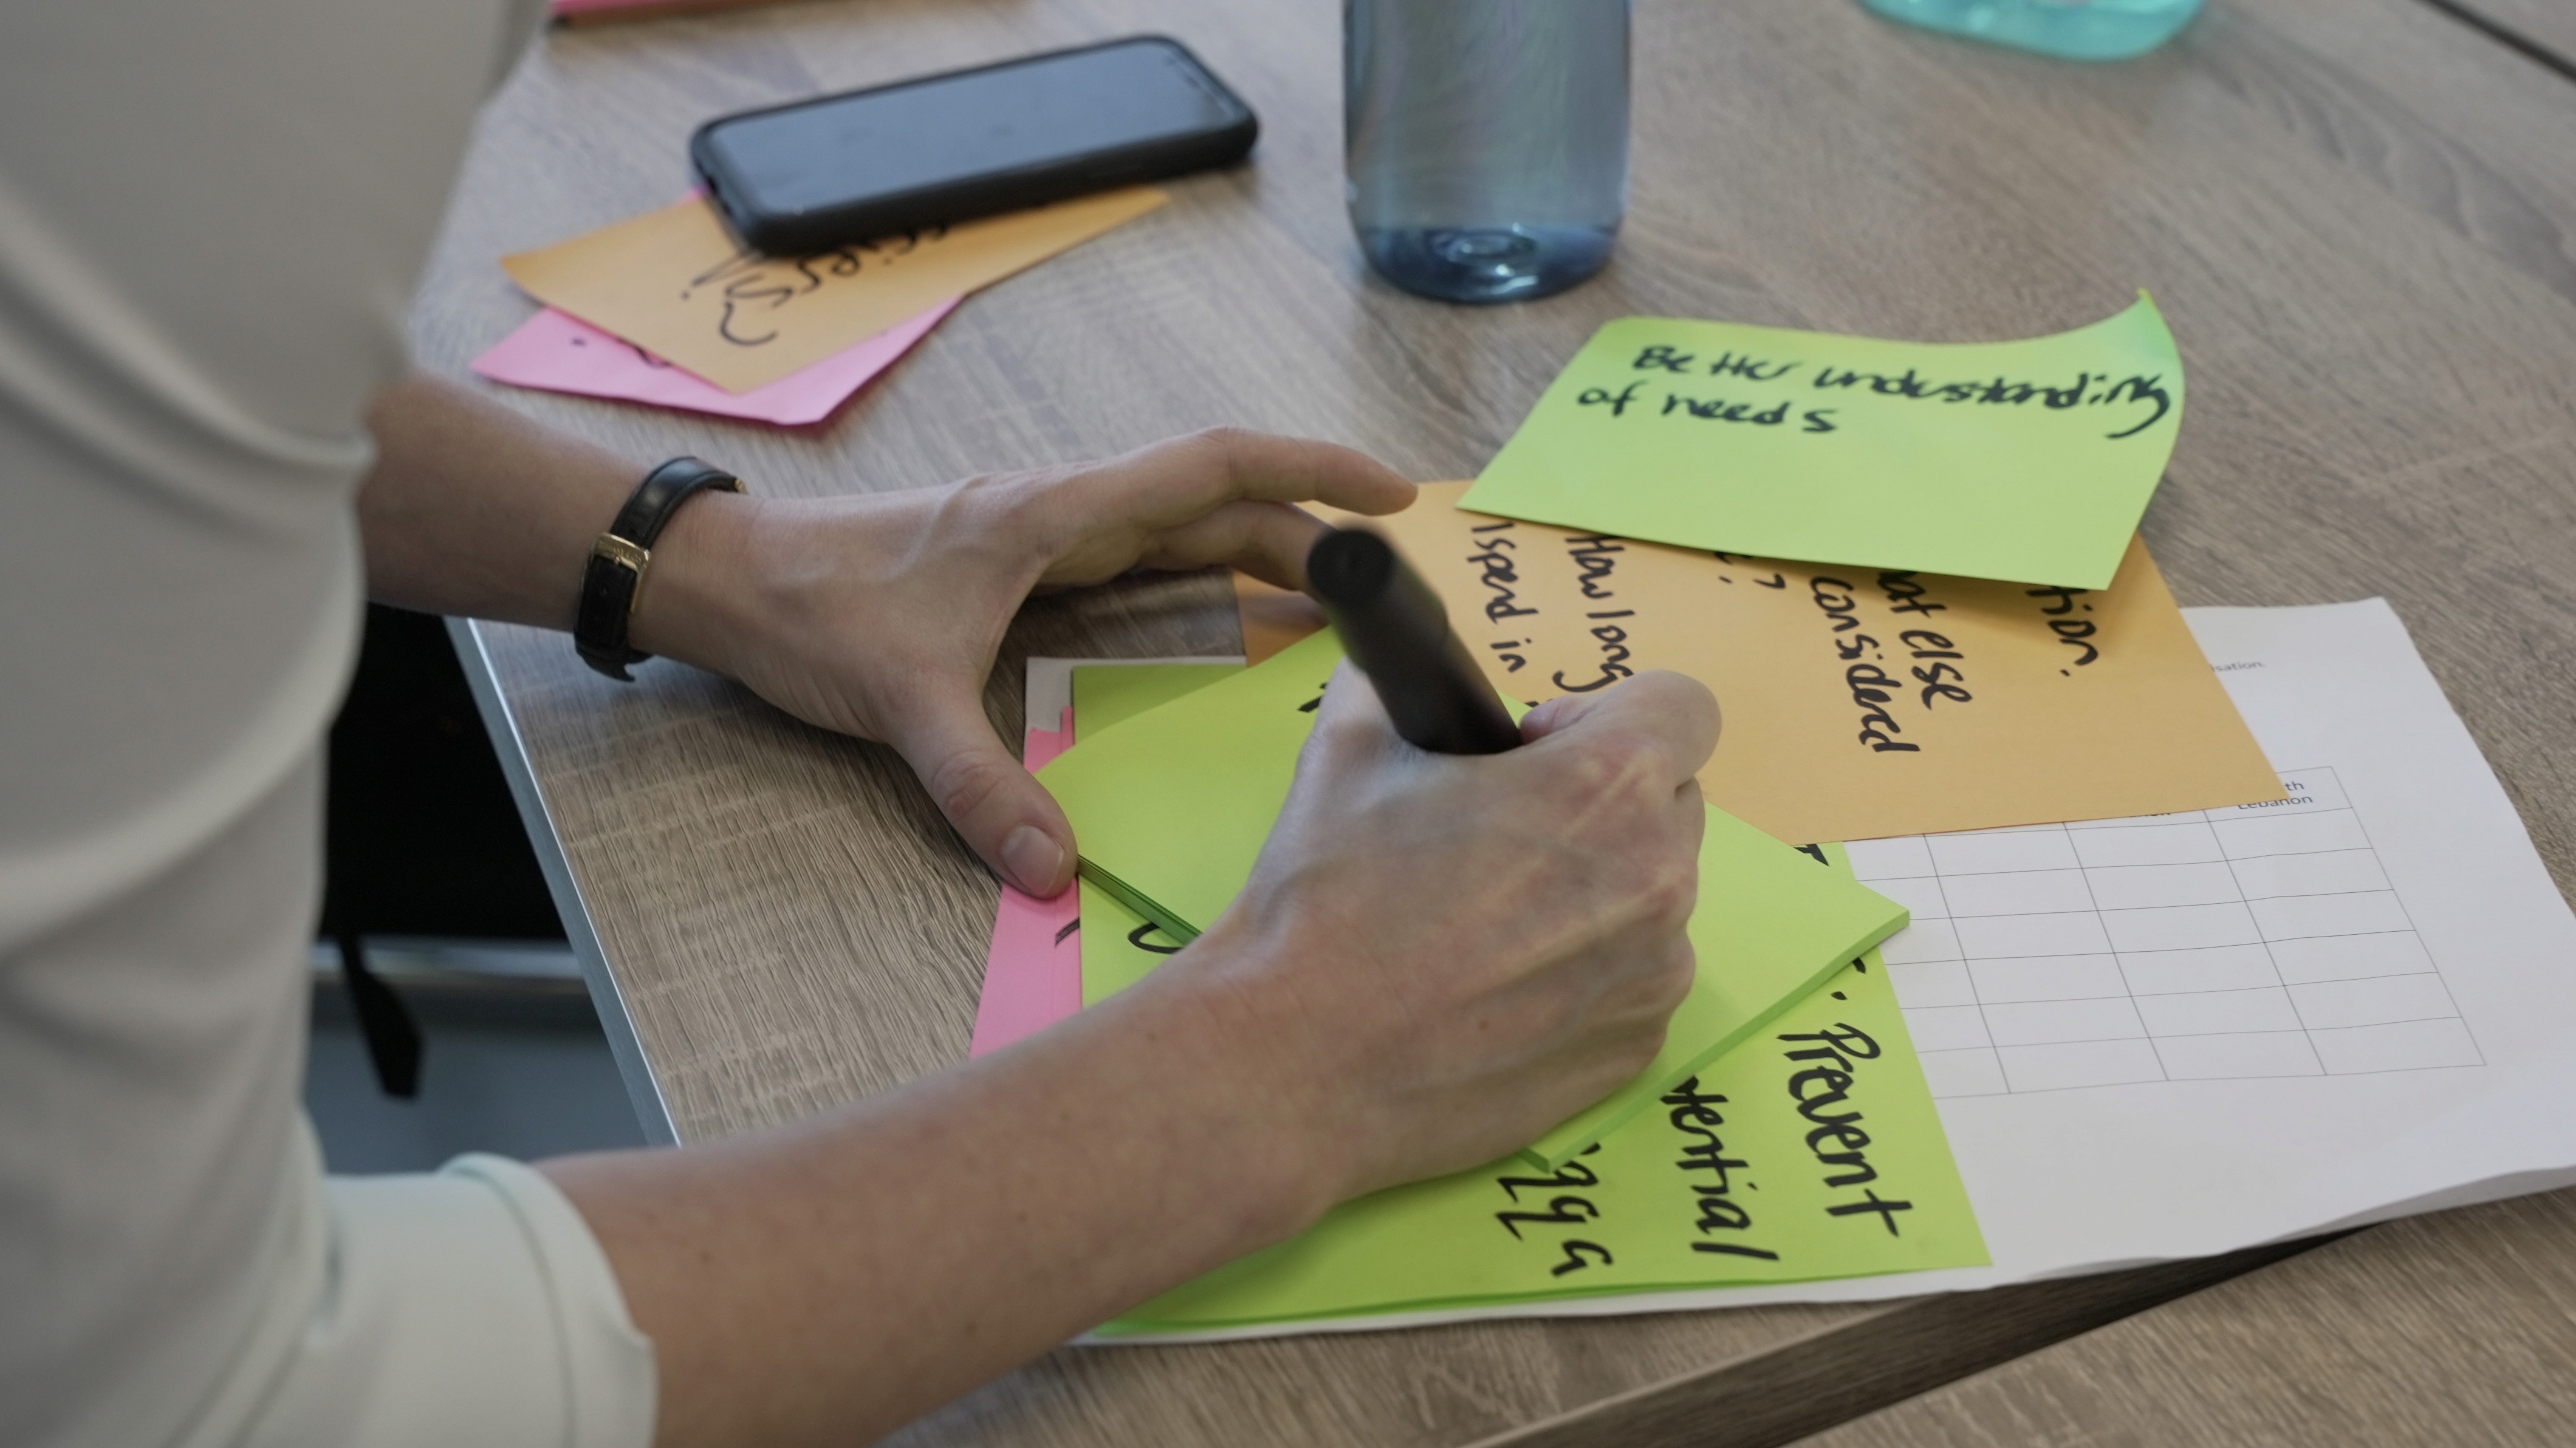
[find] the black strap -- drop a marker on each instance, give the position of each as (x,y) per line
(392,1036)
(612,586)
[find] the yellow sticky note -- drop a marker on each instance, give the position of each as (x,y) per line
(2030,461)
(1171,807)
(675,283)
(1859,702)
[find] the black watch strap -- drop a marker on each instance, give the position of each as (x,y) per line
(612,586)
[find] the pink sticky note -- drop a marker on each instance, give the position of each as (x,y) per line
(1033,973)
(559,352)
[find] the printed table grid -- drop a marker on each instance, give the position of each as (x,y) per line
(2261,940)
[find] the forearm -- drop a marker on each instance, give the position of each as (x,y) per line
(828,1281)
(477,511)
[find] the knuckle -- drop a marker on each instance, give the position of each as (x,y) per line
(1006,494)
(1592,769)
(1341,747)
(1673,981)
(963,783)
(1631,778)
(1219,449)
(1672,890)
(1675,709)
(1225,437)
(1646,1043)
(1339,722)
(1341,734)
(1010,508)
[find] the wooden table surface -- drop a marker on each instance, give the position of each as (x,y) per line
(2545,30)
(2457,1329)
(2356,213)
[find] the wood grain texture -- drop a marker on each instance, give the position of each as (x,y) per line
(2457,1329)
(2547,27)
(1784,1395)
(2355,212)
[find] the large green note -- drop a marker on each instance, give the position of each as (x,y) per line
(1811,1151)
(1171,807)
(2029,461)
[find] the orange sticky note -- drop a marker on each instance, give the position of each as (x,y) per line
(675,283)
(1858,702)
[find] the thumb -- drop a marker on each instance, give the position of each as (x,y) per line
(1556,715)
(1003,813)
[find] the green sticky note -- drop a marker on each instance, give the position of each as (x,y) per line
(1227,750)
(2028,461)
(1122,946)
(1813,1151)
(1104,695)
(1171,807)
(1119,946)
(1108,694)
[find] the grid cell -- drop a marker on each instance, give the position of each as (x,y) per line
(2377,1002)
(2140,887)
(2219,967)
(2290,835)
(2047,978)
(2089,1063)
(2298,917)
(1919,894)
(2021,892)
(2189,842)
(2257,1053)
(1986,854)
(2075,932)
(2038,1023)
(2398,1046)
(1947,1028)
(1875,860)
(1964,1073)
(1920,941)
(2350,957)
(2334,872)
(2218,1012)
(2182,927)
(1922,984)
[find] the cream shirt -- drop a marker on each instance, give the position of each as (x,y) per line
(211,216)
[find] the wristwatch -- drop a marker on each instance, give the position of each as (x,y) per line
(612,586)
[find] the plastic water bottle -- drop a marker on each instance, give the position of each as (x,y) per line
(1486,141)
(2073,29)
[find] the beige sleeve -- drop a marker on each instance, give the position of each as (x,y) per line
(472,1306)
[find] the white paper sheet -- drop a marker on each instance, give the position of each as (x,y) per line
(2315,1011)
(2188,1034)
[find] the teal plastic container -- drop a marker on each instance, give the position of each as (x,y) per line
(2072,29)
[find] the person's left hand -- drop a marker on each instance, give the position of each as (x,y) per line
(879,615)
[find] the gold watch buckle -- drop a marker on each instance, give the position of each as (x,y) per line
(633,556)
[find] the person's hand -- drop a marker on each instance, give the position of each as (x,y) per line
(880,615)
(1436,959)
(1439,957)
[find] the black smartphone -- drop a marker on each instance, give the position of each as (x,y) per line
(817,174)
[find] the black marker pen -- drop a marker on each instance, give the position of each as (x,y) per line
(1394,629)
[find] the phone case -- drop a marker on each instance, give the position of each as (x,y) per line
(781,234)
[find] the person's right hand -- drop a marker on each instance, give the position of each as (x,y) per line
(1440,957)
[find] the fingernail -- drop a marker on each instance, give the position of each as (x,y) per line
(1034,859)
